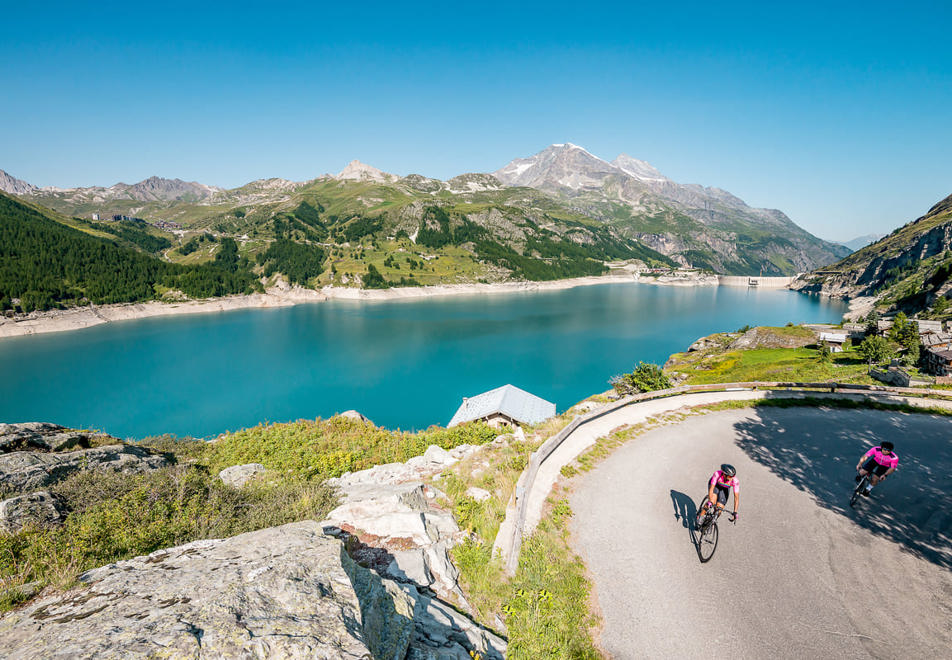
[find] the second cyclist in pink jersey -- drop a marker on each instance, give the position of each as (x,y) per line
(879,462)
(719,486)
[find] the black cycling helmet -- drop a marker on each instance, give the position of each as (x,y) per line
(887,446)
(728,470)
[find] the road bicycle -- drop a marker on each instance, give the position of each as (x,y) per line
(863,484)
(705,535)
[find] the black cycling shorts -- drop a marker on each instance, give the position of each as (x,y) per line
(722,493)
(872,466)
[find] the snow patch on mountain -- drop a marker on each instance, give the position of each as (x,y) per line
(638,168)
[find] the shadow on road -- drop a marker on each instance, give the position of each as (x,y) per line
(686,511)
(684,508)
(816,450)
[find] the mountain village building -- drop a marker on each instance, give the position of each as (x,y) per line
(834,340)
(938,361)
(856,331)
(937,340)
(504,406)
(928,326)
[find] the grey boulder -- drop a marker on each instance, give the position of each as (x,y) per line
(238,475)
(44,436)
(39,509)
(26,471)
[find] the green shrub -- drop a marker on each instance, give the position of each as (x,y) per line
(874,349)
(645,378)
(329,448)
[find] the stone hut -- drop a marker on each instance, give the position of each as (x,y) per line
(504,406)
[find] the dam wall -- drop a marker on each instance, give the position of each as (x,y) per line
(754,280)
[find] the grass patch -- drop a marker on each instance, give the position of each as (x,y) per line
(331,447)
(547,612)
(768,364)
(545,605)
(115,516)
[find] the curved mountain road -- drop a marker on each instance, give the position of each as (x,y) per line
(801,574)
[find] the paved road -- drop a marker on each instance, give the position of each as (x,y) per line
(801,575)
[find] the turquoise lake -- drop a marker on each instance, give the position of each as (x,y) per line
(404,364)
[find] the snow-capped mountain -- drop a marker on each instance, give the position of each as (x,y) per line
(710,227)
(558,167)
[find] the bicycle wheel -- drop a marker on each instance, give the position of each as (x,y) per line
(859,488)
(707,542)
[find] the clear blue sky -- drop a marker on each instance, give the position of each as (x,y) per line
(839,114)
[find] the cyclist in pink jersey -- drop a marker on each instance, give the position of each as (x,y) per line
(718,490)
(879,462)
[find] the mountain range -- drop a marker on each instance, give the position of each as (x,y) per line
(696,225)
(861,241)
(561,204)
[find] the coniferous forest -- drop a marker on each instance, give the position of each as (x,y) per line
(45,264)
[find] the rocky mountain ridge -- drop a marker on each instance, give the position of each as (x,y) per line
(695,225)
(908,270)
(15,186)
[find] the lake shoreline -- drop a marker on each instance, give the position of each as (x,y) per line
(283,295)
(78,318)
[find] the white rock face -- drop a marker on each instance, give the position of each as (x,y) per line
(388,510)
(238,475)
(276,593)
(15,186)
(357,171)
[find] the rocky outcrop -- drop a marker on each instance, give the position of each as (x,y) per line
(48,437)
(761,337)
(353,414)
(433,461)
(39,509)
(276,593)
(394,529)
(390,520)
(25,471)
(237,476)
(283,592)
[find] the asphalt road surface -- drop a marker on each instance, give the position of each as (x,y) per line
(801,575)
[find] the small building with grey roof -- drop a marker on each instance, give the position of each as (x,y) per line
(504,406)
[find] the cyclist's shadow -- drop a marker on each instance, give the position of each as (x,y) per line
(684,509)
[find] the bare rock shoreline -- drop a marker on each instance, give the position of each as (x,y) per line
(282,295)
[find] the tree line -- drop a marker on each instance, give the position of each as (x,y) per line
(45,264)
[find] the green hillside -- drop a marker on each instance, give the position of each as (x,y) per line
(45,263)
(324,232)
(909,270)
